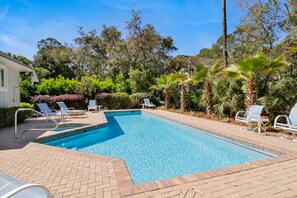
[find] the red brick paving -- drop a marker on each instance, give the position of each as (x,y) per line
(68,173)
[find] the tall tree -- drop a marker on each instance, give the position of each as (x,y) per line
(248,69)
(54,57)
(165,83)
(205,75)
(224,14)
(261,26)
(183,80)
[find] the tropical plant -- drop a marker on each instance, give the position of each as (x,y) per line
(183,80)
(248,68)
(293,49)
(165,82)
(206,75)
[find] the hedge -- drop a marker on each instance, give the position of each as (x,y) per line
(76,101)
(137,99)
(7,115)
(122,100)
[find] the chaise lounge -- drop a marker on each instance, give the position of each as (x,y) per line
(290,123)
(45,110)
(10,187)
(148,104)
(70,110)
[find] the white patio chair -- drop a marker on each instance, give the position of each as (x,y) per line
(290,123)
(147,103)
(12,188)
(70,110)
(253,115)
(93,106)
(45,110)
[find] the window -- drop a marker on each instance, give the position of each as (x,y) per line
(2,78)
(3,87)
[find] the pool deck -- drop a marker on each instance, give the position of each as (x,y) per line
(69,173)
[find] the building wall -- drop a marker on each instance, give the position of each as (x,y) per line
(10,94)
(13,97)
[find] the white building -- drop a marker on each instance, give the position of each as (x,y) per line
(10,70)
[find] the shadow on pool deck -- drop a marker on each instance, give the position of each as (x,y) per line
(7,133)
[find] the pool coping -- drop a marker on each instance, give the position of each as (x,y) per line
(125,183)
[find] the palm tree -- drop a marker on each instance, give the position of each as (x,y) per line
(224,15)
(294,48)
(165,82)
(248,67)
(202,74)
(183,80)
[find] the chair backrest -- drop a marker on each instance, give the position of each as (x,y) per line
(146,101)
(293,115)
(63,106)
(92,103)
(254,111)
(44,108)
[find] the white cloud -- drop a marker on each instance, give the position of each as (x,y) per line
(13,42)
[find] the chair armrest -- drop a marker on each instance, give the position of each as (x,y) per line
(24,187)
(238,113)
(281,116)
(71,108)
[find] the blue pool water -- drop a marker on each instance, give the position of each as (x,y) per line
(155,148)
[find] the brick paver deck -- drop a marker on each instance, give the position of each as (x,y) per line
(69,173)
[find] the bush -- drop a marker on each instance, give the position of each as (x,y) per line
(107,86)
(119,100)
(25,114)
(137,99)
(7,116)
(103,99)
(27,89)
(90,86)
(71,100)
(76,101)
(57,86)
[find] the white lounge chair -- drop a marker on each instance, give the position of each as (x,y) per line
(10,187)
(148,104)
(45,110)
(252,115)
(93,106)
(290,123)
(70,110)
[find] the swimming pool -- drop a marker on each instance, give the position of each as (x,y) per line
(154,148)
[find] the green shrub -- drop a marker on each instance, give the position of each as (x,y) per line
(120,100)
(107,86)
(137,99)
(27,90)
(25,114)
(26,105)
(57,86)
(90,86)
(122,84)
(7,116)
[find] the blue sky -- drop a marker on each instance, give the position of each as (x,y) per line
(193,24)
